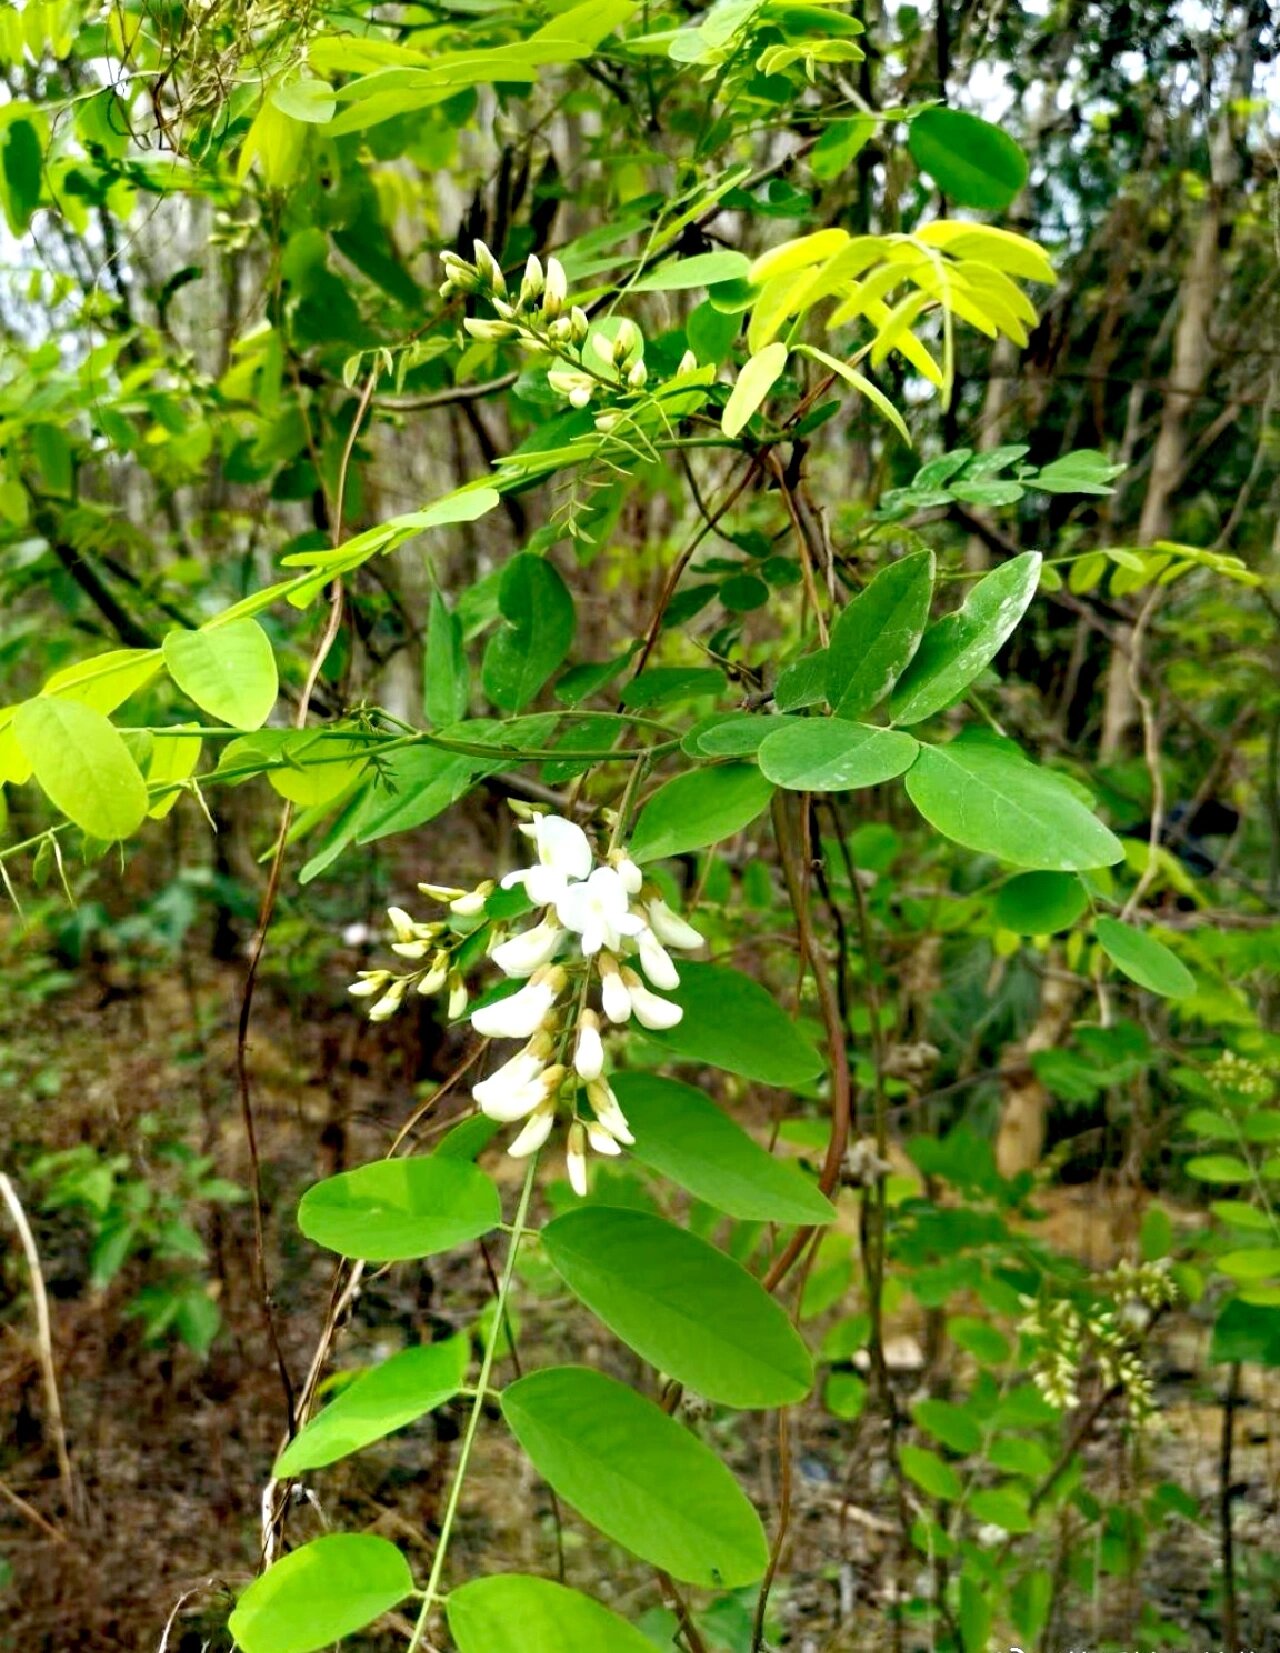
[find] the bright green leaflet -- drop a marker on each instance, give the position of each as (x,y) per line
(699,808)
(703,270)
(934,1474)
(1144,959)
(107,680)
(638,1475)
(972,162)
(1040,903)
(683,1306)
(802,683)
(831,755)
(328,1589)
(732,1022)
(681,1133)
(513,1613)
(397,1208)
(988,797)
(754,383)
(83,765)
(876,635)
(229,671)
(954,650)
(377,1403)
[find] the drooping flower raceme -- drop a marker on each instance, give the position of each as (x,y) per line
(598,932)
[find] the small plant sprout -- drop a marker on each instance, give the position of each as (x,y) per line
(598,933)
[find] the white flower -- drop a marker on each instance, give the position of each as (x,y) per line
(470,904)
(488,332)
(588,1051)
(599,911)
(457,998)
(529,950)
(670,928)
(609,1114)
(557,289)
(576,1158)
(650,1011)
(368,983)
(579,324)
(441,892)
(688,363)
(522,1013)
(637,376)
(389,1003)
(436,976)
(536,1131)
(630,874)
(600,1140)
(489,267)
(534,281)
(514,1090)
(656,963)
(564,853)
(614,998)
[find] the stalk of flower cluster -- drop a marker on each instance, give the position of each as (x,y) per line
(497,1331)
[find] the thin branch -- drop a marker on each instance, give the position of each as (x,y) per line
(44,1338)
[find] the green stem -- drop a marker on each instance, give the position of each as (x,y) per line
(497,1325)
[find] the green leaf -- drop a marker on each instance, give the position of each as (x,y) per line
(732,1022)
(637,1475)
(1040,903)
(305,99)
(513,1613)
(173,758)
(875,637)
(1083,472)
(802,683)
(986,1343)
(976,1614)
(754,383)
(1018,1456)
(1218,1168)
(1138,955)
(683,1306)
(83,766)
(1003,1507)
(955,649)
(678,275)
(447,678)
(930,1472)
(107,680)
(988,797)
(952,1425)
(377,1403)
(521,656)
(306,766)
(830,755)
(21,163)
(324,1591)
(699,808)
(397,1208)
(1254,1263)
(839,144)
(863,385)
(729,735)
(682,1134)
(972,162)
(229,671)
(1246,1331)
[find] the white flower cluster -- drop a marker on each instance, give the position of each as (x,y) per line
(598,929)
(540,318)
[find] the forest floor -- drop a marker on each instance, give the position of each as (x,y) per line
(170,1453)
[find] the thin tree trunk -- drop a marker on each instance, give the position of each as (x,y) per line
(1192,360)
